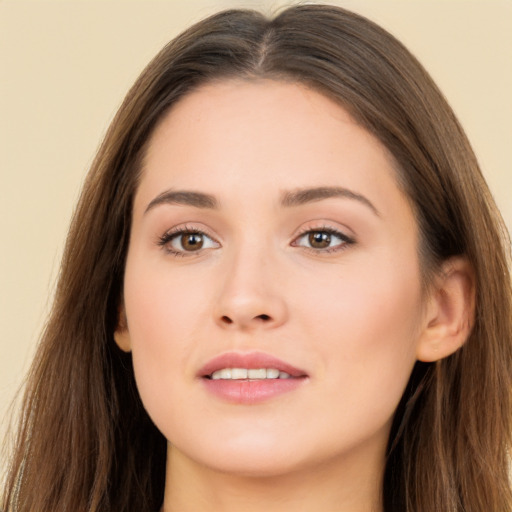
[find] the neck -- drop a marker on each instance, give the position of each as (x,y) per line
(192,487)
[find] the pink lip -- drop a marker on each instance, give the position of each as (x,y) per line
(250,360)
(250,391)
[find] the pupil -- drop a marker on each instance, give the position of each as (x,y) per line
(319,239)
(192,241)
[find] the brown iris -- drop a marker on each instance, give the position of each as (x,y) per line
(192,241)
(319,239)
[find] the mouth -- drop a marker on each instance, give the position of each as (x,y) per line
(248,374)
(249,366)
(249,378)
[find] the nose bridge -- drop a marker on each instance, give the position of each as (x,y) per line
(248,294)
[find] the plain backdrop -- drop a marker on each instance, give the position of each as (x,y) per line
(66,65)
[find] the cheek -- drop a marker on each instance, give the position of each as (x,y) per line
(164,303)
(163,320)
(366,327)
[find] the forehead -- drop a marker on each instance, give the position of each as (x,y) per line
(241,112)
(260,137)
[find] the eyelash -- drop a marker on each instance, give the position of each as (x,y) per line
(169,236)
(346,240)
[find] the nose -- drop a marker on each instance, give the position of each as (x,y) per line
(251,295)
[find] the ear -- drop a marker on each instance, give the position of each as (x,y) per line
(122,334)
(450,311)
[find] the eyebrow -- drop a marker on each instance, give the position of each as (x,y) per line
(289,199)
(186,198)
(309,195)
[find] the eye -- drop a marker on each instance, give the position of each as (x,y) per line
(182,241)
(325,239)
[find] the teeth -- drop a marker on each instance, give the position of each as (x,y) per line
(257,374)
(251,374)
(272,373)
(226,373)
(239,373)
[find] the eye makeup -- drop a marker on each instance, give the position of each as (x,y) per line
(183,241)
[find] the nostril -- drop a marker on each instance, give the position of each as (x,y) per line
(245,322)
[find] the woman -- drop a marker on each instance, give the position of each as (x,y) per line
(285,285)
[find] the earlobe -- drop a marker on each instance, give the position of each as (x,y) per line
(122,334)
(450,311)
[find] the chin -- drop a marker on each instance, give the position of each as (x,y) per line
(257,466)
(253,458)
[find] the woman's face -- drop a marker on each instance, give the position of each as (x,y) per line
(269,234)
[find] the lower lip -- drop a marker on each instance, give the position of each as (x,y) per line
(251,391)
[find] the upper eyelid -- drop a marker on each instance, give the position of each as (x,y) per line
(177,230)
(346,239)
(324,226)
(302,230)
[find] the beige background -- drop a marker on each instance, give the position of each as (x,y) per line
(65,66)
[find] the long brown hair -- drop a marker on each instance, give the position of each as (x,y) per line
(85,442)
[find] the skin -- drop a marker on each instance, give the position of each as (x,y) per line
(353,315)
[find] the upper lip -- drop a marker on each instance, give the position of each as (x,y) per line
(249,360)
